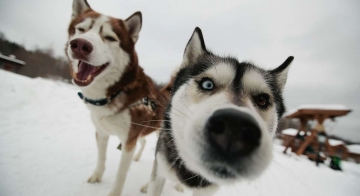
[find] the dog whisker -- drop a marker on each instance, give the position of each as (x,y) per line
(179,112)
(144,125)
(155,121)
(169,142)
(191,178)
(165,106)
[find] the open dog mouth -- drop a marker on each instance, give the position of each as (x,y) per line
(86,73)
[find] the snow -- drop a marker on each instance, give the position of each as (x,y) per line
(290,131)
(47,147)
(334,142)
(318,107)
(354,148)
(323,107)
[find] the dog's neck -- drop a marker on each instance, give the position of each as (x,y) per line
(133,83)
(184,174)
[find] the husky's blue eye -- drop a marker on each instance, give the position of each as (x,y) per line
(207,84)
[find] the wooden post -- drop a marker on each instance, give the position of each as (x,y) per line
(307,142)
(303,122)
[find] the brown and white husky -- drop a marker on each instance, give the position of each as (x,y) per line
(123,101)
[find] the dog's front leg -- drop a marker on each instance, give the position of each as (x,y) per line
(142,142)
(126,159)
(102,141)
(156,184)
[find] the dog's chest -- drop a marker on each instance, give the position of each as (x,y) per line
(164,169)
(115,124)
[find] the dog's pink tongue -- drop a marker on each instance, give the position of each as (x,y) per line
(85,70)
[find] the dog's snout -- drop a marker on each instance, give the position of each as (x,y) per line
(233,132)
(81,47)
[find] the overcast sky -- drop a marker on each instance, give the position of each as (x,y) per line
(324,37)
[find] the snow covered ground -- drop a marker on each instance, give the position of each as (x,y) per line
(47,147)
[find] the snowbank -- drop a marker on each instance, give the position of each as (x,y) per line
(290,131)
(47,147)
(334,142)
(354,148)
(318,107)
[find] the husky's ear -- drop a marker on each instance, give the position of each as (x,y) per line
(133,25)
(195,47)
(79,6)
(281,72)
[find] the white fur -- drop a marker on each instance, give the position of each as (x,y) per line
(164,172)
(189,113)
(193,111)
(102,141)
(222,73)
(193,49)
(142,142)
(103,52)
(108,121)
(208,191)
(254,83)
(79,6)
(282,77)
(116,124)
(190,132)
(164,169)
(133,25)
(126,158)
(191,108)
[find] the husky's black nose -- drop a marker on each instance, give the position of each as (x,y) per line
(233,133)
(81,47)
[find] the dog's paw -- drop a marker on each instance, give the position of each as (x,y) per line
(179,187)
(96,177)
(144,188)
(115,192)
(136,159)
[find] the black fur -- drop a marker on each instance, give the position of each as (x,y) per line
(167,146)
(201,63)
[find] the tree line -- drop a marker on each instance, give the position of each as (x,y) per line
(39,62)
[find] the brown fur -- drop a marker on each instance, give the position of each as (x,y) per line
(87,14)
(134,86)
(134,83)
(149,119)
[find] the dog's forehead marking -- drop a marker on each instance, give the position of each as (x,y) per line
(100,22)
(108,30)
(85,23)
(94,24)
(222,73)
(254,81)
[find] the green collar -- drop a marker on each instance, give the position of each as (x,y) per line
(99,102)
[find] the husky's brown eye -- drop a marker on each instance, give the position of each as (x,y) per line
(262,100)
(81,29)
(110,38)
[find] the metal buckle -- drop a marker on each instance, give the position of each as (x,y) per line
(145,101)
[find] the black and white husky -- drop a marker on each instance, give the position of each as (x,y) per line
(219,124)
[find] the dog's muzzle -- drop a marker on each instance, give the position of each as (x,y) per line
(232,133)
